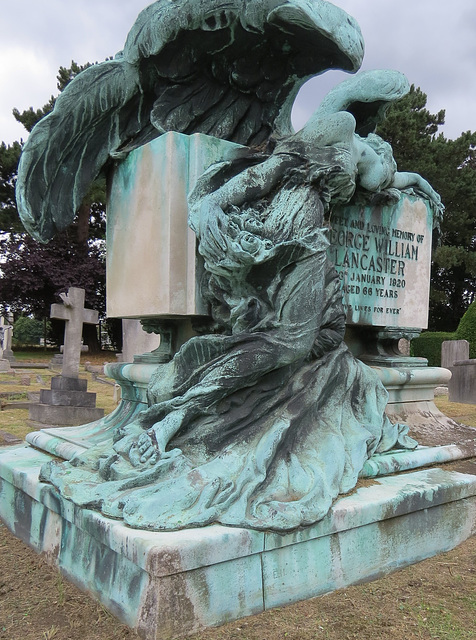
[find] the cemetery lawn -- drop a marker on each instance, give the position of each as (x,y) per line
(19,385)
(432,600)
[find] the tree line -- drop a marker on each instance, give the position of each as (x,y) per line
(32,275)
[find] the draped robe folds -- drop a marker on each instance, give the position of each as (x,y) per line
(273,417)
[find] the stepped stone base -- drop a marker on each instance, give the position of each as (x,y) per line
(169,585)
(67,403)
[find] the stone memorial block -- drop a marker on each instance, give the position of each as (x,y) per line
(151,251)
(383,257)
(452,351)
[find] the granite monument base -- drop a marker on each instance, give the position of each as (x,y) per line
(169,585)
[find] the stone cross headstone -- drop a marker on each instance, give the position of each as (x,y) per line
(74,314)
(68,402)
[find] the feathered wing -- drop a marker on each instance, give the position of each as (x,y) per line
(228,68)
(66,150)
(232,68)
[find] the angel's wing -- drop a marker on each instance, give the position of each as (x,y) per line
(228,68)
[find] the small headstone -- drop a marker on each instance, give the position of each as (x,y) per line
(452,351)
(56,361)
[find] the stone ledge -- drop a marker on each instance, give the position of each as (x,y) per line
(61,398)
(168,585)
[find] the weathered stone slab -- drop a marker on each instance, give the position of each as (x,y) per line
(64,383)
(8,439)
(383,256)
(168,585)
(152,264)
(453,351)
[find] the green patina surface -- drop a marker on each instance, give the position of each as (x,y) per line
(265,417)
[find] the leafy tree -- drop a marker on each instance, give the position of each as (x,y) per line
(33,274)
(27,331)
(467,329)
(450,166)
(9,156)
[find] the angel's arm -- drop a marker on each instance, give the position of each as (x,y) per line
(403,179)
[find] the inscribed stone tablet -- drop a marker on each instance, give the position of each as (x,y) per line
(383,255)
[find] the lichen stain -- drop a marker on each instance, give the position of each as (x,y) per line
(168,608)
(163,563)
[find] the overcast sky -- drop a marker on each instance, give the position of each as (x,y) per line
(431,41)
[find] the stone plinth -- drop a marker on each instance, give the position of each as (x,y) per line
(169,585)
(66,403)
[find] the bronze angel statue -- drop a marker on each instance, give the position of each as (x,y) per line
(263,422)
